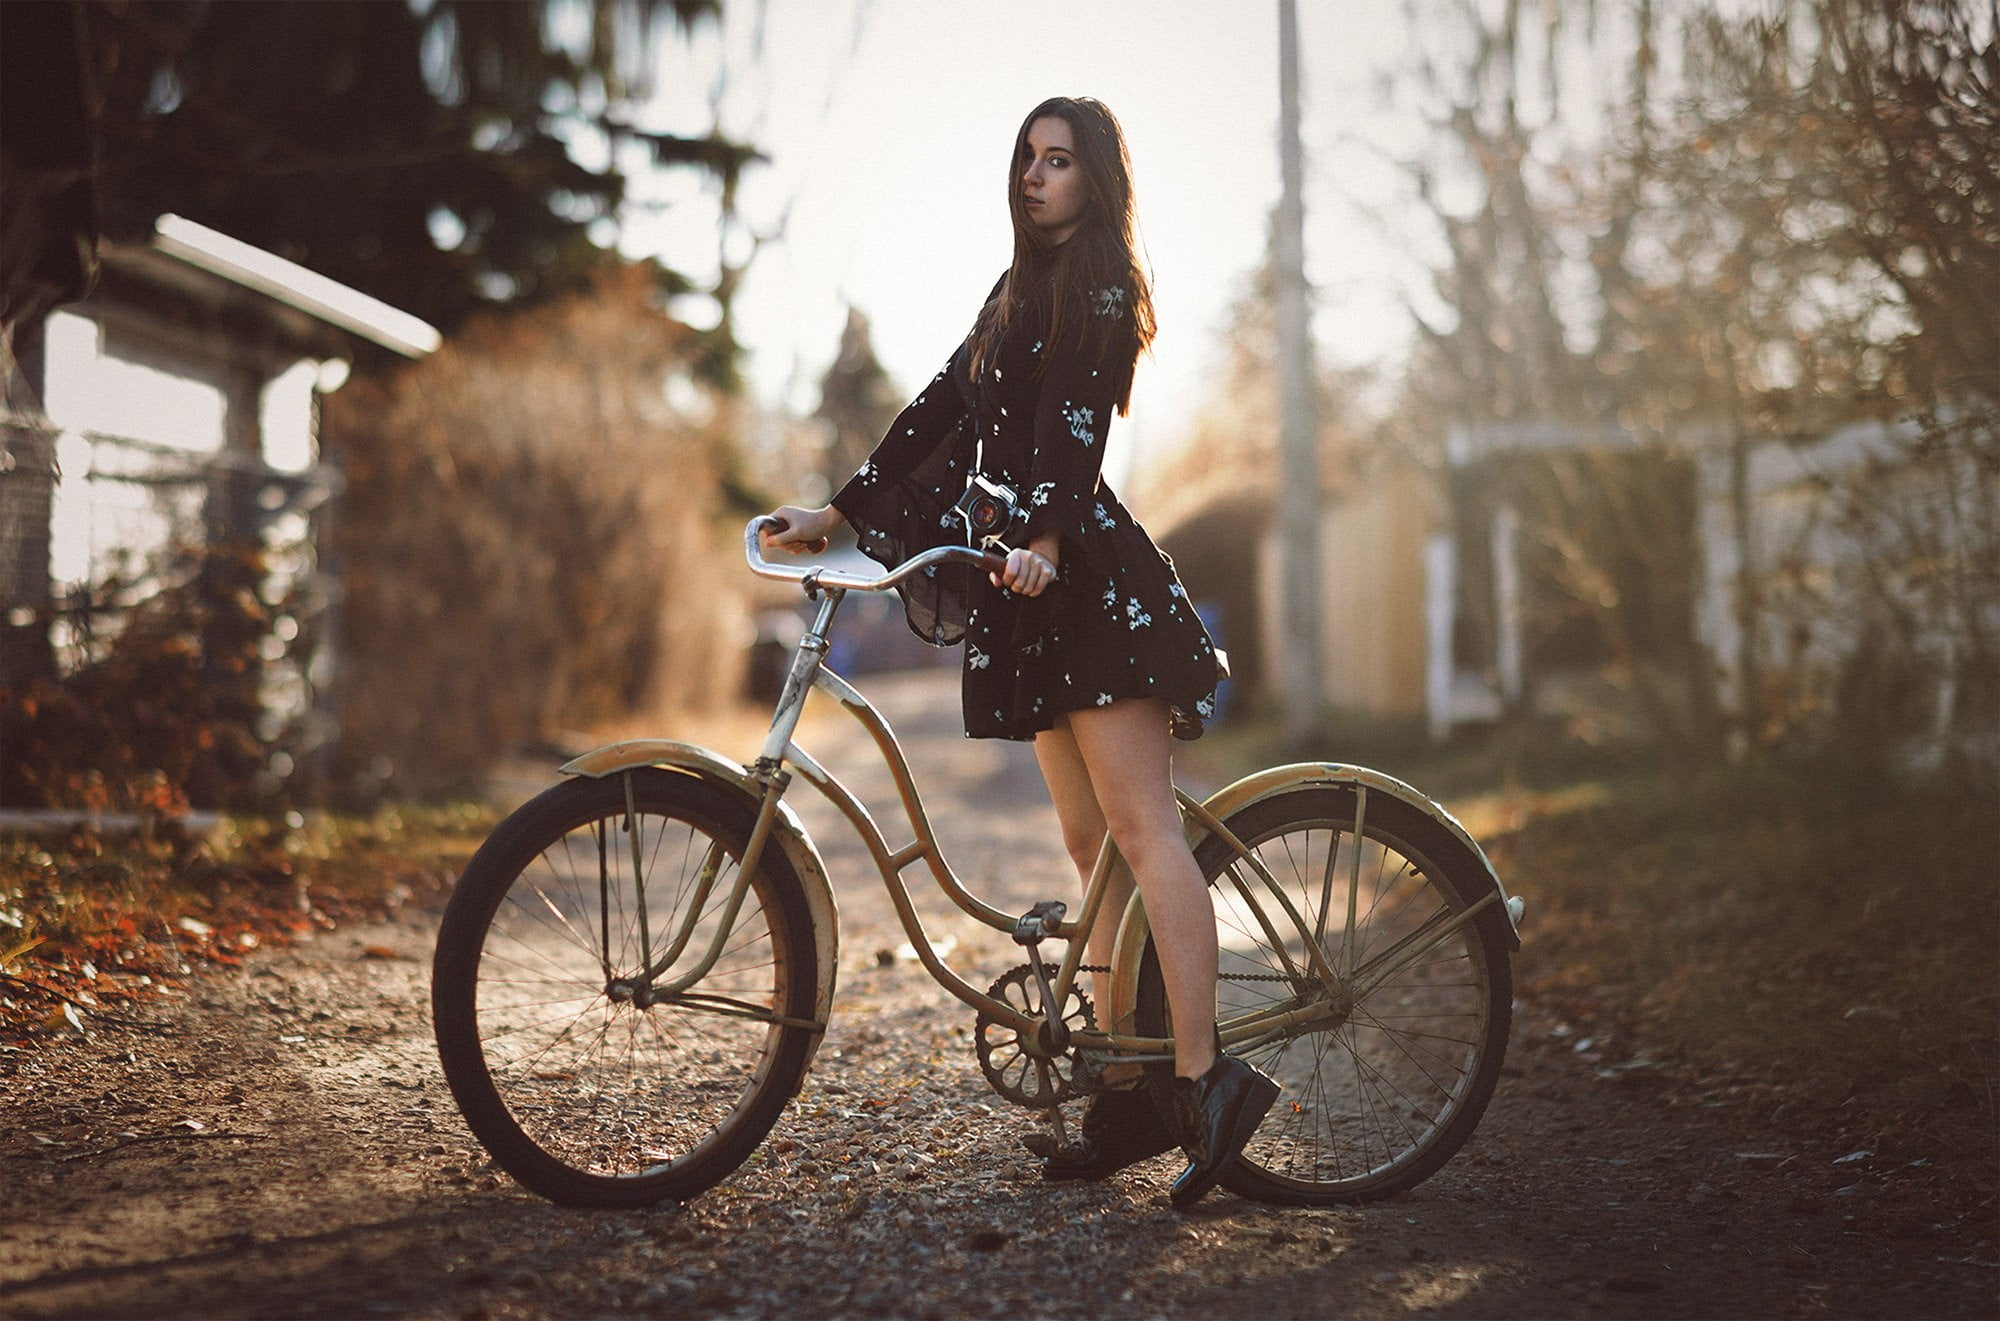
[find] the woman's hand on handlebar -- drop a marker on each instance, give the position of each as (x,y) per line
(803,531)
(1032,568)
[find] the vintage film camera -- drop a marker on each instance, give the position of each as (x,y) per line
(990,514)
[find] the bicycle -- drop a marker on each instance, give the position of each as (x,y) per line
(635,969)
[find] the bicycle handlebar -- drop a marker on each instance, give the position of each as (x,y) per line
(841,580)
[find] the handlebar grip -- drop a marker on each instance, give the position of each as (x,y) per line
(771,522)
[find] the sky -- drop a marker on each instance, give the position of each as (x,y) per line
(888,125)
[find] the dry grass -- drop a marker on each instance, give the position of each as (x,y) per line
(94,926)
(1811,936)
(1835,941)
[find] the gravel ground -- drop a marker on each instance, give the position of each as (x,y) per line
(285,1146)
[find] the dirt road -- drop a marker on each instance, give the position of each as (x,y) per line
(286,1147)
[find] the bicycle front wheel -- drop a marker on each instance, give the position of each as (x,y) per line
(1388,1040)
(582,1069)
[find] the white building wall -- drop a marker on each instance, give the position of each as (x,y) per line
(123,426)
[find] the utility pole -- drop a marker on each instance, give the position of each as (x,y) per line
(1302,672)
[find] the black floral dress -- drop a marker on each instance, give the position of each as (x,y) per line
(1116,622)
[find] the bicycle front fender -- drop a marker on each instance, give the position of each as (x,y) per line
(787,832)
(1225,803)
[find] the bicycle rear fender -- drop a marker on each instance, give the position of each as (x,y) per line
(1254,788)
(1280,779)
(786,832)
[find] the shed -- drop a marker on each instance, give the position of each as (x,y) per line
(171,414)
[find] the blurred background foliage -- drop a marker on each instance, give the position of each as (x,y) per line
(527,526)
(422,153)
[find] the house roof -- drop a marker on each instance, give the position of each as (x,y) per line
(294,286)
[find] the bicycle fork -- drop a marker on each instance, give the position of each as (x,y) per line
(768,772)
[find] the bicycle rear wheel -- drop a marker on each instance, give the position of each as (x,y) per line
(1388,1064)
(585,1081)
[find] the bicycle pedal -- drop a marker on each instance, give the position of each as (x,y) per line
(1039,923)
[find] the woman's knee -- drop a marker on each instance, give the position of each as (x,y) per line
(1145,834)
(1083,845)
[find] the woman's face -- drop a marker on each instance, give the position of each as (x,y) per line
(1053,186)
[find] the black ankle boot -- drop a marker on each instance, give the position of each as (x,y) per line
(1121,1126)
(1216,1114)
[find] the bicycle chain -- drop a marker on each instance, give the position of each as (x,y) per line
(1044,1084)
(1227,977)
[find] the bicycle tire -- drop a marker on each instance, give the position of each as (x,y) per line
(1379,1094)
(577,1089)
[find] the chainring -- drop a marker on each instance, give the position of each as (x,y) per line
(1019,1069)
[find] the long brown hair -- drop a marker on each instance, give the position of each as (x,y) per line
(1099,255)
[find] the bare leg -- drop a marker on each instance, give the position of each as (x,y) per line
(1083,836)
(1125,754)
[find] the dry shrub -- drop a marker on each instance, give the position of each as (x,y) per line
(158,714)
(533,540)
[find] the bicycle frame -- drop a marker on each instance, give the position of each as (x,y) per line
(808,673)
(780,757)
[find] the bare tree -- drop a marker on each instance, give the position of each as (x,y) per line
(1794,231)
(1538,281)
(856,399)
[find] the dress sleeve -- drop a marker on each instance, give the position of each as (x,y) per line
(916,435)
(897,502)
(1081,389)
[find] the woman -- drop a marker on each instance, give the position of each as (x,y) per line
(1085,642)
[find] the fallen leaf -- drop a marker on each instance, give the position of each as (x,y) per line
(65,1015)
(379,952)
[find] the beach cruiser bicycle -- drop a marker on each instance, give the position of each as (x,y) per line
(636,968)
